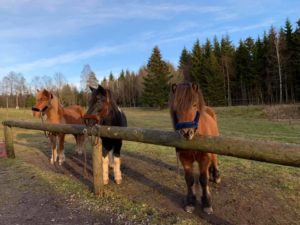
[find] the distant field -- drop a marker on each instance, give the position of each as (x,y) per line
(152,192)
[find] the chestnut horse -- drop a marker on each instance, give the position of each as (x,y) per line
(191,117)
(103,110)
(48,105)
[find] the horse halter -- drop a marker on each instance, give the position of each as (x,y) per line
(191,124)
(43,110)
(88,117)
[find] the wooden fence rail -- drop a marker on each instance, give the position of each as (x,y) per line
(265,151)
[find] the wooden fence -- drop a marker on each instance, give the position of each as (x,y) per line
(265,151)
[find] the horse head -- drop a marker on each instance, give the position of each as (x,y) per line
(98,106)
(42,103)
(185,106)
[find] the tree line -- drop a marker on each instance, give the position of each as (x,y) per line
(265,70)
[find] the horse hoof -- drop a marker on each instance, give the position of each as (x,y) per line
(105,182)
(217,180)
(189,208)
(208,210)
(118,181)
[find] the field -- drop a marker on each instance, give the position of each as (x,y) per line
(35,192)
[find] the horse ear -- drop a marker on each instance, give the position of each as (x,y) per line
(102,90)
(174,86)
(195,86)
(51,95)
(91,88)
(37,90)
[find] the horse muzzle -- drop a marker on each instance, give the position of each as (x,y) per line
(188,134)
(41,111)
(90,120)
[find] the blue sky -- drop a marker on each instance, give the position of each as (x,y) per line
(41,37)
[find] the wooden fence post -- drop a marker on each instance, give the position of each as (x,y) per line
(9,142)
(98,168)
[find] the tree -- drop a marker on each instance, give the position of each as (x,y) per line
(59,82)
(92,80)
(84,77)
(196,71)
(277,46)
(214,92)
(68,95)
(185,65)
(156,86)
(259,70)
(226,54)
(87,78)
(296,61)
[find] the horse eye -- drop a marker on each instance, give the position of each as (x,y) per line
(195,105)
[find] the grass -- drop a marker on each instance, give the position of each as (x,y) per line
(250,122)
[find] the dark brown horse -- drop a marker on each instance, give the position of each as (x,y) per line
(103,110)
(191,117)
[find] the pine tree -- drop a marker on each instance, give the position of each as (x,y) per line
(296,61)
(214,78)
(226,55)
(185,65)
(197,70)
(156,87)
(286,42)
(258,61)
(243,60)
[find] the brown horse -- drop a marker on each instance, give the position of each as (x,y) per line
(191,117)
(48,105)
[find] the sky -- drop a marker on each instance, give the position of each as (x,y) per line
(42,37)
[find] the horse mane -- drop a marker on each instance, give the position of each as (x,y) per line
(184,97)
(113,107)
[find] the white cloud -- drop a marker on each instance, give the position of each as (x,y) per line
(62,59)
(35,19)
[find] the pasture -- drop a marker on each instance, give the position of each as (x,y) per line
(35,192)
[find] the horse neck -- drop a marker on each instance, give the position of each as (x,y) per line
(54,112)
(112,112)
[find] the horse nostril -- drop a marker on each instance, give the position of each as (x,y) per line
(182,132)
(190,132)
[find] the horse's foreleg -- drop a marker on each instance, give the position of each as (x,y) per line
(79,144)
(187,163)
(117,162)
(204,176)
(105,165)
(61,152)
(111,159)
(214,169)
(53,141)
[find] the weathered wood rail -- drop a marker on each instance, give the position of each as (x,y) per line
(265,151)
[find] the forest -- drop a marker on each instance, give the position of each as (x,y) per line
(261,70)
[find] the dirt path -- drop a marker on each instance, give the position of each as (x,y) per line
(27,200)
(240,199)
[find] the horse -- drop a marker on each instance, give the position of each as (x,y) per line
(47,104)
(103,110)
(190,116)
